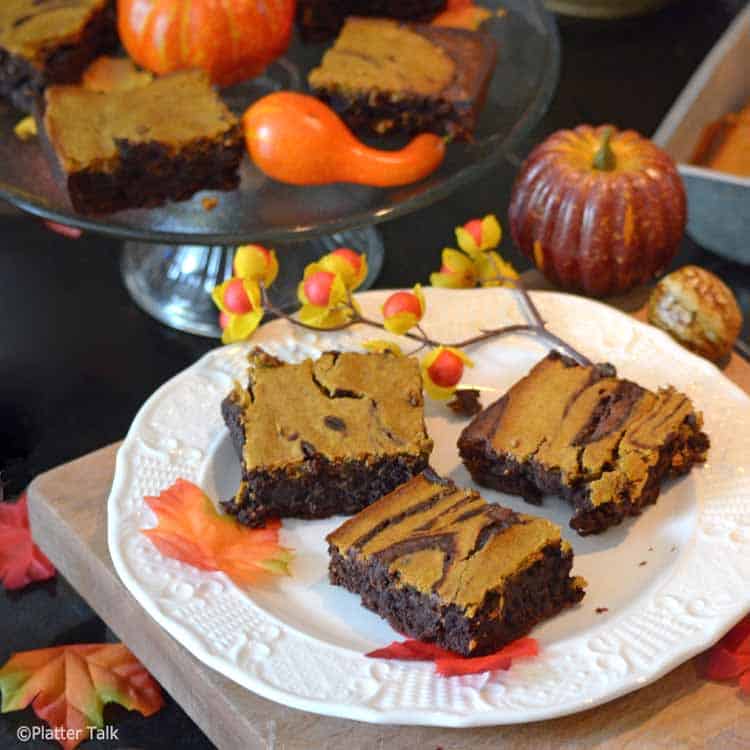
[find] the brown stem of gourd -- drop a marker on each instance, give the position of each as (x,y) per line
(538,328)
(605,159)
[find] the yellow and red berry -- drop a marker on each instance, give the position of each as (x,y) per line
(318,286)
(236,299)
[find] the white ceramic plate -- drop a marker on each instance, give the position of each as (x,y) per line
(673,581)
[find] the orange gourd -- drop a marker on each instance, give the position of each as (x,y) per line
(296,139)
(231,41)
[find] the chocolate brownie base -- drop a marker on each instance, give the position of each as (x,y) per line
(22,81)
(319,20)
(380,112)
(316,488)
(149,174)
(535,594)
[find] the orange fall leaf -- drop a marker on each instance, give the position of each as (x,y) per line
(463,14)
(191,530)
(68,687)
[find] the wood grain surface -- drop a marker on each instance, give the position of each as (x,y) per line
(68,517)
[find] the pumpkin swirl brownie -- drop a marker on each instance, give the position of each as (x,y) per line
(126,149)
(603,443)
(324,437)
(383,76)
(45,42)
(443,565)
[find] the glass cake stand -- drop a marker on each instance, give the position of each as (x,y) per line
(174,255)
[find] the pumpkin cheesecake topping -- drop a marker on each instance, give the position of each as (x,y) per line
(339,406)
(385,55)
(27,26)
(89,128)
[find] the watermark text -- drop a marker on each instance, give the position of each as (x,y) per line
(65,734)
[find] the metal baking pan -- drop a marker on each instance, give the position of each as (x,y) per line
(718,203)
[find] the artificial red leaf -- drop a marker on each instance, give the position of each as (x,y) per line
(191,530)
(723,664)
(68,686)
(738,638)
(448,663)
(502,659)
(410,651)
(72,233)
(21,561)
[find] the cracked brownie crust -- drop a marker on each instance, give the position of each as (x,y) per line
(322,438)
(442,565)
(603,443)
(45,42)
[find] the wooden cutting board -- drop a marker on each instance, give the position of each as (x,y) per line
(68,516)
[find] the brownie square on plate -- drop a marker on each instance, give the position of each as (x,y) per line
(443,565)
(601,442)
(324,437)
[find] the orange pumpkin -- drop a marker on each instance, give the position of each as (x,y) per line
(598,210)
(231,41)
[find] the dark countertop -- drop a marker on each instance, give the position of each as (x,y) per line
(77,358)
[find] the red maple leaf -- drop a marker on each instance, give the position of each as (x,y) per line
(738,638)
(72,233)
(449,664)
(411,651)
(729,659)
(21,561)
(68,687)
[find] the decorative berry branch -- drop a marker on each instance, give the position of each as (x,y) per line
(326,294)
(538,328)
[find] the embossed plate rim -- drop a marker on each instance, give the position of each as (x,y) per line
(268,649)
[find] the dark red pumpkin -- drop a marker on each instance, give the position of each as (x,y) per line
(598,210)
(231,40)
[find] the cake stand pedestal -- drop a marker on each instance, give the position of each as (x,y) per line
(173,283)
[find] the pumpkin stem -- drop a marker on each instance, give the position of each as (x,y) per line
(605,159)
